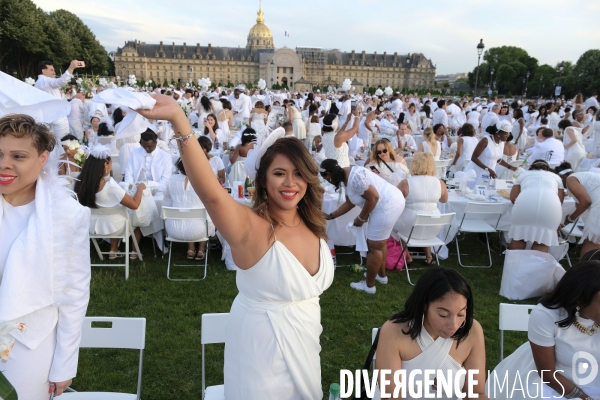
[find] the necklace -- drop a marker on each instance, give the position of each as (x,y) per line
(588,331)
(287,226)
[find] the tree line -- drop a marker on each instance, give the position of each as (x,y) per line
(510,66)
(29,35)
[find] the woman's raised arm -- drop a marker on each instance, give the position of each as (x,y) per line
(230,218)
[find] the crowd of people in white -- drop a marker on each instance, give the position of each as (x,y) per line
(379,151)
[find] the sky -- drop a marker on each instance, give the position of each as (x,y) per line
(447,32)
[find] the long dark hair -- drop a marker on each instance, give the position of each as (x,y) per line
(577,288)
(434,284)
(331,167)
(213,116)
(117,115)
(89,180)
(205,103)
(309,207)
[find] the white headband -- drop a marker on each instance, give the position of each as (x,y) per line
(70,143)
(100,151)
(565,171)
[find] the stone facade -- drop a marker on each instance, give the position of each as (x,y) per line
(299,69)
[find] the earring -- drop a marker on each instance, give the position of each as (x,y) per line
(577,312)
(265,196)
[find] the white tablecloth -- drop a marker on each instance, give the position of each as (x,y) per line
(588,163)
(336,229)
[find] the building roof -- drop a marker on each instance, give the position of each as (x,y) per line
(191,51)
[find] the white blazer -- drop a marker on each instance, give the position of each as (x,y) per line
(46,280)
(161,167)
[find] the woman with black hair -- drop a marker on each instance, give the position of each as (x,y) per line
(562,343)
(519,133)
(97,189)
(489,151)
(381,203)
(435,331)
(585,188)
(335,143)
(216,164)
(237,157)
(118,116)
(205,109)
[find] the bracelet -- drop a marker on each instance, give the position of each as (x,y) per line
(362,220)
(184,139)
(575,393)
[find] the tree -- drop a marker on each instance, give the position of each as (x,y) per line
(510,64)
(585,76)
(85,46)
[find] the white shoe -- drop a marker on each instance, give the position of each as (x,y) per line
(379,279)
(362,285)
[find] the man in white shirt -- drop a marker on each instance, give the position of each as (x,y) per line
(149,163)
(240,106)
(345,109)
(49,83)
(454,111)
(403,140)
(490,117)
(592,102)
(75,117)
(440,116)
(396,105)
(547,148)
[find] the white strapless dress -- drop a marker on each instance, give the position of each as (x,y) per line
(272,341)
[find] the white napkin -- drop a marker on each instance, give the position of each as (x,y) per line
(360,234)
(17,97)
(477,197)
(124,97)
(133,124)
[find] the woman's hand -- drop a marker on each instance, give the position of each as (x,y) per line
(141,186)
(166,108)
(358,222)
(59,387)
(492,173)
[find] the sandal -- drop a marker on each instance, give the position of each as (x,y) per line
(191,254)
(113,255)
(429,261)
(133,256)
(200,255)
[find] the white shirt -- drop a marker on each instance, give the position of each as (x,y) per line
(592,101)
(440,117)
(241,105)
(540,150)
(490,118)
(53,85)
(77,110)
(158,164)
(13,221)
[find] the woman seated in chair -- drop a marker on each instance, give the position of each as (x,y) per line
(180,194)
(386,163)
(562,343)
(435,331)
(422,191)
(70,145)
(97,189)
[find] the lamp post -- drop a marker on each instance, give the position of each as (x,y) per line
(208,69)
(523,89)
(272,72)
(166,75)
(526,81)
(189,72)
(368,70)
(540,89)
(480,48)
(492,79)
(561,67)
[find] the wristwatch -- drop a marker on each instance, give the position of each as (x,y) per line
(331,216)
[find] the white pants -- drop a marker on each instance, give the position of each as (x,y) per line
(27,370)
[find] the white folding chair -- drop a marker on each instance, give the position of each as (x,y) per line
(185,214)
(442,167)
(373,335)
(513,317)
(434,224)
(125,233)
(214,327)
(570,230)
(474,221)
(125,333)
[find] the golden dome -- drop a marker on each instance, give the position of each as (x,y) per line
(260,36)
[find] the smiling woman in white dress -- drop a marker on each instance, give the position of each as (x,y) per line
(272,341)
(47,289)
(434,331)
(562,325)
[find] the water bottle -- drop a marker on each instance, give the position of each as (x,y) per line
(334,391)
(357,268)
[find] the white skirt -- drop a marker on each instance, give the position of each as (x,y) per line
(28,370)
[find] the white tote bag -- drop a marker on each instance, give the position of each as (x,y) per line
(528,274)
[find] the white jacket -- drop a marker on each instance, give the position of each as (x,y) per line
(46,280)
(161,167)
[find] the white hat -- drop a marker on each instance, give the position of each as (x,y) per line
(476,98)
(504,125)
(17,97)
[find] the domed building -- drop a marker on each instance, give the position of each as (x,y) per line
(260,36)
(299,69)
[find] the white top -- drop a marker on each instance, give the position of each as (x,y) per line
(340,154)
(490,118)
(427,149)
(359,181)
(53,85)
(216,164)
(468,147)
(440,117)
(111,195)
(77,110)
(13,221)
(541,151)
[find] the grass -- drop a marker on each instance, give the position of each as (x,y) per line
(172,365)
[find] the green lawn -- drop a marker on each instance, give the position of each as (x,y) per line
(172,366)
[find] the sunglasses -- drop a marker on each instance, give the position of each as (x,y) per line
(378,152)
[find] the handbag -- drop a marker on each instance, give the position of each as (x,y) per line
(394,259)
(367,366)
